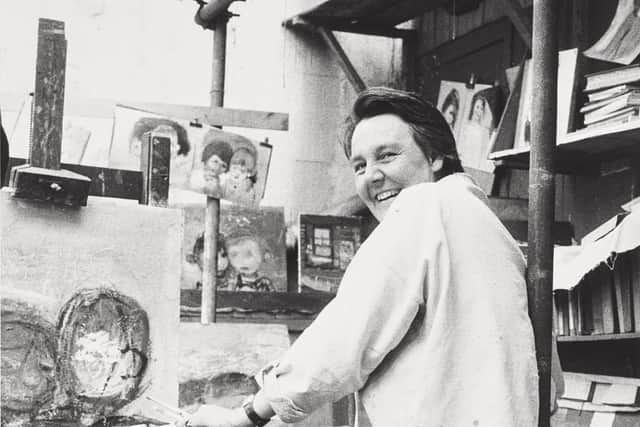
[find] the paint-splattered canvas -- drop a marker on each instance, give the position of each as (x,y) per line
(251,248)
(204,160)
(89,312)
(327,245)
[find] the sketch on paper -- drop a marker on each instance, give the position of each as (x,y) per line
(327,245)
(251,249)
(621,42)
(203,159)
(472,114)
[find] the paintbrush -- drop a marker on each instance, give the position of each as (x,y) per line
(168,409)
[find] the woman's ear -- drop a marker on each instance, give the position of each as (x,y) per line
(437,163)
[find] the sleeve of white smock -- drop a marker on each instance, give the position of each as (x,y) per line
(378,298)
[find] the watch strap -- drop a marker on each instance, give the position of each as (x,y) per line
(256,419)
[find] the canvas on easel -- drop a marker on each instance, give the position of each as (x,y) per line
(89,312)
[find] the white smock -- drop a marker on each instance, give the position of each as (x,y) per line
(430,322)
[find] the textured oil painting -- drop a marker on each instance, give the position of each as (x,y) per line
(203,159)
(251,249)
(89,314)
(327,245)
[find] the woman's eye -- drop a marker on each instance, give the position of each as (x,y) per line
(387,155)
(358,168)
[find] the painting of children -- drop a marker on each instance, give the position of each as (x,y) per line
(251,248)
(248,255)
(204,161)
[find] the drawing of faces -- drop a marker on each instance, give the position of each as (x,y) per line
(451,107)
(478,110)
(28,362)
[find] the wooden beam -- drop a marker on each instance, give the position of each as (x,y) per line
(105,182)
(216,116)
(343,60)
(48,101)
(519,18)
(365,29)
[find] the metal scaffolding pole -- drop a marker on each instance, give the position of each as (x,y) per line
(542,190)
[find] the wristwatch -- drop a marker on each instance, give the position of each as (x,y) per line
(256,419)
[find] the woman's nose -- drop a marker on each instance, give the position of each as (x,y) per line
(374,174)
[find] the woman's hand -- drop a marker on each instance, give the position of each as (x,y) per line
(216,416)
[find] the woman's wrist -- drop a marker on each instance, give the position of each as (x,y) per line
(261,405)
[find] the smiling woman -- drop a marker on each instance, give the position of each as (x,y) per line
(432,309)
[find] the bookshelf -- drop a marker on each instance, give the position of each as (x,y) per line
(596,338)
(578,151)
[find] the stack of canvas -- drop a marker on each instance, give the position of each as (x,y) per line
(613,96)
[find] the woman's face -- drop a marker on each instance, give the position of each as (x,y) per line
(386,159)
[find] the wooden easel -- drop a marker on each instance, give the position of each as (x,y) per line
(42,179)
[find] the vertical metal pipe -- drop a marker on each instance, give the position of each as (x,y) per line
(212,213)
(216,95)
(542,190)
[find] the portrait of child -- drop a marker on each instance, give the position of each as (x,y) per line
(238,182)
(247,256)
(196,258)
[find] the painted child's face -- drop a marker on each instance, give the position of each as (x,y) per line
(215,165)
(242,161)
(245,255)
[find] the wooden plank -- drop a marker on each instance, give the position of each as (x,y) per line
(519,18)
(601,337)
(105,182)
(343,60)
(216,116)
(263,302)
(48,101)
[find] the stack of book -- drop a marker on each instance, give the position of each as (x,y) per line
(613,96)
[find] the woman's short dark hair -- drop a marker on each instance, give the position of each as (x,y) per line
(431,132)
(147,124)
